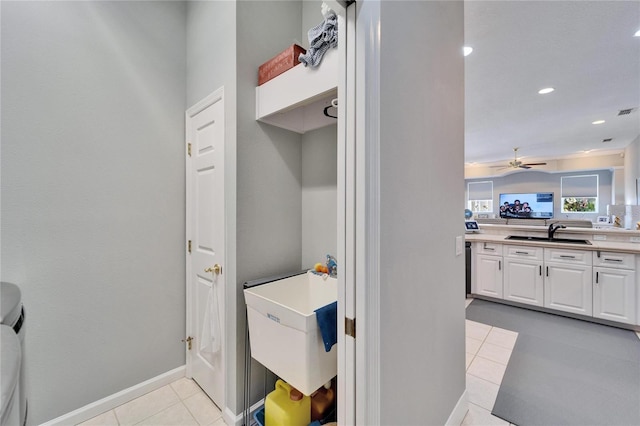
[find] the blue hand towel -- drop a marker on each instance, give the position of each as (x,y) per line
(327,317)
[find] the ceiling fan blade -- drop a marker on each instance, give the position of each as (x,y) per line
(524,166)
(535,164)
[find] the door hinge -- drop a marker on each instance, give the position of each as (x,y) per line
(350,327)
(188,340)
(189,148)
(189,246)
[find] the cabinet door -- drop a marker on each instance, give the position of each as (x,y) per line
(523,281)
(614,292)
(488,274)
(568,288)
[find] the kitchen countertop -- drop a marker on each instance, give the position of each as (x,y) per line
(617,240)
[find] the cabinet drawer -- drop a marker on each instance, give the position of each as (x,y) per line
(494,249)
(524,252)
(578,257)
(614,260)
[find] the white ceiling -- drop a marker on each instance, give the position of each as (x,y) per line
(586,50)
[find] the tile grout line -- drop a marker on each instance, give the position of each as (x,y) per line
(164,409)
(116,416)
(189,411)
(493,360)
(499,363)
(200,391)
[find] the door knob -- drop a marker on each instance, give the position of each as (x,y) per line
(216,269)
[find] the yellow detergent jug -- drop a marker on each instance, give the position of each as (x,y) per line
(287,406)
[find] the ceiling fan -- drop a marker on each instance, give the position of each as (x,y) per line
(517,164)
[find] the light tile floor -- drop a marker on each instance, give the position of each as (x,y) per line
(488,350)
(180,403)
(183,403)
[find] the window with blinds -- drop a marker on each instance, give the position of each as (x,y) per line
(579,194)
(480,196)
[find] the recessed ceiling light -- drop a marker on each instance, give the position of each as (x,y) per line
(466,50)
(598,122)
(546,90)
(637,34)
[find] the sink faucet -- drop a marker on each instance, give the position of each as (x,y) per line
(553,228)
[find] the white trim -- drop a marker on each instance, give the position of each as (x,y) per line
(346,213)
(367,230)
(110,402)
(207,101)
(230,418)
(459,411)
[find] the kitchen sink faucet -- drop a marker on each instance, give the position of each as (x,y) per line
(553,228)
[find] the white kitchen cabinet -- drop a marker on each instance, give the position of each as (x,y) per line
(574,257)
(598,284)
(488,270)
(567,287)
(523,278)
(489,276)
(614,294)
(614,260)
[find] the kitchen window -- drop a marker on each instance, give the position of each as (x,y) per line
(480,196)
(579,194)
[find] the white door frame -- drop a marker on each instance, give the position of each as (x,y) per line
(346,211)
(366,188)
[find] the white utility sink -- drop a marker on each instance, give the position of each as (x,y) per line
(284,333)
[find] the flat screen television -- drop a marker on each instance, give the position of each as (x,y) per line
(533,205)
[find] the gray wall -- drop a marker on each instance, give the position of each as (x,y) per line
(211,52)
(631,172)
(618,189)
(534,181)
(311,16)
(93,193)
(319,174)
(421,107)
(269,171)
(319,195)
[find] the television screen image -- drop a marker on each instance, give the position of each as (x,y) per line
(535,205)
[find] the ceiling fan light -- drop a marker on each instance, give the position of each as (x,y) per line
(598,122)
(546,90)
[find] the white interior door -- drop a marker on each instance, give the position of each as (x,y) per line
(206,235)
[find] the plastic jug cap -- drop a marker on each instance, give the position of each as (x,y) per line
(295,395)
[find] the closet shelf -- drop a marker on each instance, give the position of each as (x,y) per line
(295,100)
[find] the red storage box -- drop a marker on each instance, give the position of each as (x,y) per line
(284,61)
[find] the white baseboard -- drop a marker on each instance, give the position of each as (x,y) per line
(112,401)
(459,411)
(230,418)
